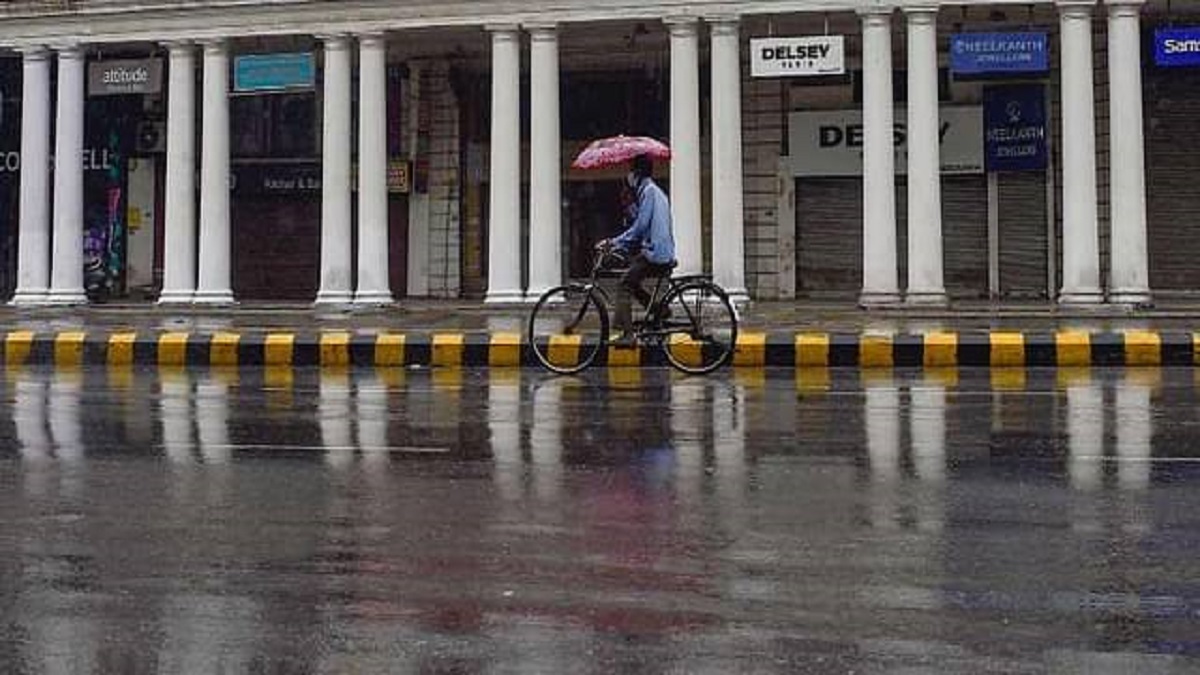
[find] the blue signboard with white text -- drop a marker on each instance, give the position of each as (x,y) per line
(274,72)
(1014,128)
(1177,47)
(991,53)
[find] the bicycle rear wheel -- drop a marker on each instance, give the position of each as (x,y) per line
(702,330)
(568,328)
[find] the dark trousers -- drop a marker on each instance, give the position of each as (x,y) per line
(639,270)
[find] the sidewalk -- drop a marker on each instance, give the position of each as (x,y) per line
(469,333)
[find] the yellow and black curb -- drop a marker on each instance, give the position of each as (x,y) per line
(994,349)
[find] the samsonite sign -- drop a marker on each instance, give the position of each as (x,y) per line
(798,56)
(1177,47)
(830,142)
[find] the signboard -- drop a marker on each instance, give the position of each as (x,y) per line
(277,179)
(799,56)
(1177,47)
(399,177)
(273,72)
(1014,122)
(830,142)
(987,53)
(115,78)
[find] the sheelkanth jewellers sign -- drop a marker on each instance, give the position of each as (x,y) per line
(798,56)
(112,78)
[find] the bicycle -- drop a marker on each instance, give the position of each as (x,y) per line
(568,327)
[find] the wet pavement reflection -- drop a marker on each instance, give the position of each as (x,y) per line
(447,521)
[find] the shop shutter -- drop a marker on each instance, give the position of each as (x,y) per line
(1023,244)
(1172,167)
(828,237)
(964,235)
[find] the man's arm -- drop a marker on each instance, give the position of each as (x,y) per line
(641,223)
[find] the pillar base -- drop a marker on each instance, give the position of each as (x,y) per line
(66,297)
(534,294)
(926,298)
(373,298)
(327,298)
(1140,299)
(175,297)
(26,298)
(214,298)
(1081,298)
(872,300)
(738,296)
(503,297)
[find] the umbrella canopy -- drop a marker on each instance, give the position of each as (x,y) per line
(607,152)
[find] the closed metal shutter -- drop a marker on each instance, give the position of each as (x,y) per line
(1172,168)
(1023,244)
(828,236)
(964,235)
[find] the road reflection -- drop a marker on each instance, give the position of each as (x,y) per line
(626,521)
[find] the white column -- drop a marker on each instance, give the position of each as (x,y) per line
(729,257)
(545,163)
(1081,243)
(179,237)
(373,286)
(215,243)
(925,278)
(1130,274)
(66,266)
(880,286)
(504,198)
(33,241)
(336,277)
(685,144)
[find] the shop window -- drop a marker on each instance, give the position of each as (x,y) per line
(605,104)
(283,125)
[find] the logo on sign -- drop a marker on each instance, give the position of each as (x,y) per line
(983,53)
(1014,118)
(804,56)
(110,78)
(1176,47)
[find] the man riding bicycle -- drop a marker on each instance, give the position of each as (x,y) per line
(649,239)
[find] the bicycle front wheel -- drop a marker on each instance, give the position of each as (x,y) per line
(568,328)
(702,330)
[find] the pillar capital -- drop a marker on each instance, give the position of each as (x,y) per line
(542,31)
(682,26)
(69,51)
(509,30)
(372,40)
(880,13)
(215,46)
(726,24)
(926,13)
(180,45)
(33,52)
(1125,9)
(334,41)
(1075,9)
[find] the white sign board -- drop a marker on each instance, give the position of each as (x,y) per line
(830,142)
(799,56)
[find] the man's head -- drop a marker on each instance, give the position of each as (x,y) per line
(639,167)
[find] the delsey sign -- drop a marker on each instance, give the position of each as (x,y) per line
(830,142)
(111,78)
(1176,47)
(983,53)
(802,56)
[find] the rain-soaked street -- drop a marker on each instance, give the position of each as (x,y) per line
(625,522)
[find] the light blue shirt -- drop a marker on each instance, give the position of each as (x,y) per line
(651,226)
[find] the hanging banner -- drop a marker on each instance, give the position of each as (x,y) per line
(798,56)
(986,53)
(830,142)
(273,72)
(1014,122)
(1177,47)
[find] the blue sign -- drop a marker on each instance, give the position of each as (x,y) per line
(1175,47)
(273,72)
(984,53)
(1014,128)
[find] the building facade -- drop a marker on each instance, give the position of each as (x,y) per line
(367,151)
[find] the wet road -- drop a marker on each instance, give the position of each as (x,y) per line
(626,522)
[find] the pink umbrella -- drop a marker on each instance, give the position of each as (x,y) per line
(619,149)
